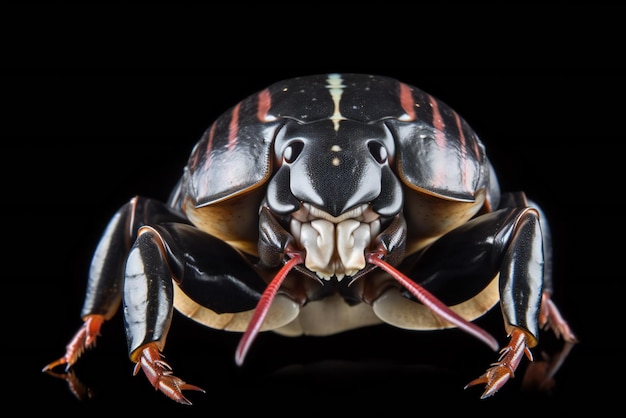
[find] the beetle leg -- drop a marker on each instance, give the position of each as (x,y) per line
(522,289)
(148,308)
(104,286)
(106,274)
(550,318)
(510,356)
(457,267)
(507,244)
(106,279)
(167,253)
(84,339)
(159,373)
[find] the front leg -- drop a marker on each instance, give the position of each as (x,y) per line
(521,285)
(210,272)
(148,308)
(525,288)
(460,267)
(106,278)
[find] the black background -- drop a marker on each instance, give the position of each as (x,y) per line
(80,140)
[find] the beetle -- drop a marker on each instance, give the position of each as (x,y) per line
(354,196)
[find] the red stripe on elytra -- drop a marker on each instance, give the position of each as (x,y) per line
(233,128)
(264,105)
(406,101)
(479,156)
(209,146)
(440,138)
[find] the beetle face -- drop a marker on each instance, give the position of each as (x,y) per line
(334,182)
(335,169)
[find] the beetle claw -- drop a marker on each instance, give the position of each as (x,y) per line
(173,386)
(84,339)
(494,378)
(500,372)
(159,373)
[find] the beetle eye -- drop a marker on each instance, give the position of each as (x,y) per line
(378,151)
(292,151)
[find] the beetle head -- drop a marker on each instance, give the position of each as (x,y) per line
(335,190)
(334,167)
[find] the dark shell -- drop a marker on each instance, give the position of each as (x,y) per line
(436,150)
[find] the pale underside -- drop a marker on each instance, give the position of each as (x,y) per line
(333,315)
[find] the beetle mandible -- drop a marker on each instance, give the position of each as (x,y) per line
(351,194)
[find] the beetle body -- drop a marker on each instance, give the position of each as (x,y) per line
(321,204)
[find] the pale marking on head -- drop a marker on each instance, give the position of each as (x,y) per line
(335,161)
(336,87)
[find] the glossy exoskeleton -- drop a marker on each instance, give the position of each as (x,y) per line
(318,205)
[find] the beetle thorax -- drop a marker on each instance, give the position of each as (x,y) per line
(335,246)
